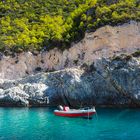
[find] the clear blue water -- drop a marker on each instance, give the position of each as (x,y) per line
(42,124)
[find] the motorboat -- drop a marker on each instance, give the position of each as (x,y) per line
(82,112)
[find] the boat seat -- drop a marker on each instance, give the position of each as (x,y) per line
(66,108)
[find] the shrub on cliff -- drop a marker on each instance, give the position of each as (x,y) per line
(44,24)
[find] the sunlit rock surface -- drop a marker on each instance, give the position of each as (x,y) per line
(108,82)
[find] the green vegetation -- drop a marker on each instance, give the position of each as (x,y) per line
(44,24)
(136,54)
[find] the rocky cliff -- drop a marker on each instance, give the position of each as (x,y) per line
(102,69)
(105,42)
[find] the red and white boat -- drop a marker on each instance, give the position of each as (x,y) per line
(67,112)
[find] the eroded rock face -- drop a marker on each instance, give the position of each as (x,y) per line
(105,42)
(20,93)
(102,69)
(110,82)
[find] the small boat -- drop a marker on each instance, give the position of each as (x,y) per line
(67,112)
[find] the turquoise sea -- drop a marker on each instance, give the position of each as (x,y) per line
(42,124)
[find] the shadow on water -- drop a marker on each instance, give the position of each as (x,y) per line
(87,118)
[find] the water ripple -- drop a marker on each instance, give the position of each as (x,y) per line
(42,124)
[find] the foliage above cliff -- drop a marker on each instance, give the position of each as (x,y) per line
(43,24)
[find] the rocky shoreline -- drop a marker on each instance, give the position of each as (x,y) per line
(103,70)
(108,82)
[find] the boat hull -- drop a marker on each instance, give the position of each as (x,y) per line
(74,113)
